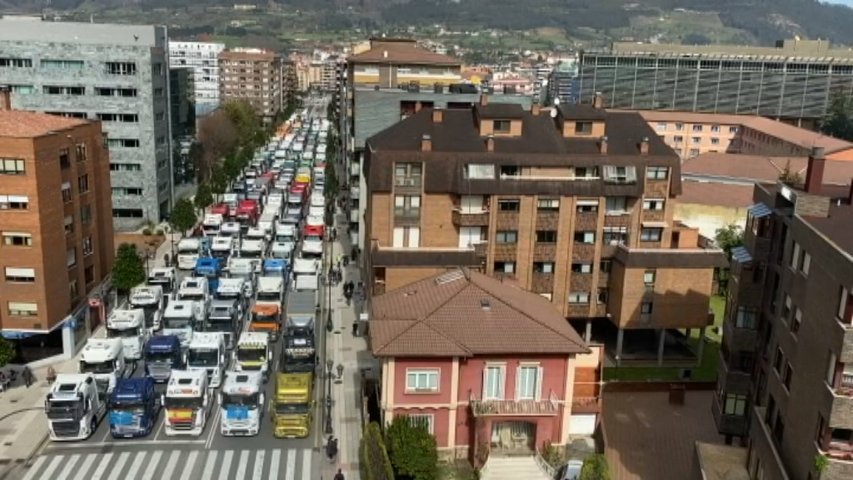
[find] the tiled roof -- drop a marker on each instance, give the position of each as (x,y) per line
(718,194)
(23,124)
(400,51)
(465,313)
(761,168)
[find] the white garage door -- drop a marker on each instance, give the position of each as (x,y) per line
(582,424)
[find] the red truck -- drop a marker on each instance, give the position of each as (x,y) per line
(248,212)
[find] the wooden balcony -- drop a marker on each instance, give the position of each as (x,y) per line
(585,222)
(586,405)
(515,408)
(617,221)
(547,220)
(578,310)
(657,188)
(580,282)
(460,219)
(654,216)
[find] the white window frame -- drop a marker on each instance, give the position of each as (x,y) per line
(6,202)
(807,263)
(734,404)
(795,256)
(499,390)
(537,382)
(480,171)
(548,204)
(20,274)
(8,238)
(418,374)
(429,418)
(577,298)
(654,204)
(23,309)
(508,267)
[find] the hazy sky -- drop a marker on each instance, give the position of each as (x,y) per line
(849,3)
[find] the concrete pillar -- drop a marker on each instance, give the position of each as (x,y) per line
(588,333)
(620,336)
(700,351)
(661,344)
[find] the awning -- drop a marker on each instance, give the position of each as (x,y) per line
(759,210)
(741,255)
(587,203)
(654,224)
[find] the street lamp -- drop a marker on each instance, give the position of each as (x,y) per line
(329,365)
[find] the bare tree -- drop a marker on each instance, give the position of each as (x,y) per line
(218,138)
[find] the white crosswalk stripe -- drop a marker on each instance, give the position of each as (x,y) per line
(177,464)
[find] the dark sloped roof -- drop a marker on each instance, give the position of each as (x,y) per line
(500,111)
(465,313)
(577,111)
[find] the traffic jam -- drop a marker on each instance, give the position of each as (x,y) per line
(199,342)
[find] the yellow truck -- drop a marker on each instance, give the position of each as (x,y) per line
(292,410)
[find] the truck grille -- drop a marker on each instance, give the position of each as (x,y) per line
(159,372)
(66,429)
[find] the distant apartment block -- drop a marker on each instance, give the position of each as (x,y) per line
(56,234)
(203,59)
(117,74)
(252,75)
(792,81)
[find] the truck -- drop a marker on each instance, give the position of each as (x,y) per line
(103,358)
(253,248)
(275,267)
(211,224)
(292,409)
(180,317)
(195,289)
(253,353)
(162,355)
(151,300)
(222,247)
(225,317)
(248,212)
(283,241)
(210,268)
(232,200)
(312,236)
(189,249)
(266,317)
(206,351)
(134,406)
(242,404)
(231,229)
(187,402)
(245,269)
(73,407)
(270,290)
(234,288)
(165,277)
(129,327)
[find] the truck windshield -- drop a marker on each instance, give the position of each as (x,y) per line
(260,318)
(123,332)
(291,409)
(176,322)
(251,354)
(268,296)
(64,409)
(284,238)
(159,357)
(100,367)
(203,358)
(297,366)
(219,325)
(240,400)
(199,297)
(250,253)
(183,402)
(136,408)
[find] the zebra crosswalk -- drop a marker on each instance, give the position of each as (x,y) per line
(259,464)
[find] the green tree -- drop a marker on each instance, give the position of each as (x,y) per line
(595,468)
(838,120)
(412,450)
(729,237)
(374,462)
(7,352)
(203,197)
(183,216)
(128,270)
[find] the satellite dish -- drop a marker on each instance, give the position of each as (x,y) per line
(556,101)
(553,113)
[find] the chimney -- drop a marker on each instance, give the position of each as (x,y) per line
(598,100)
(535,109)
(5,98)
(484,99)
(437,115)
(644,146)
(490,143)
(602,144)
(426,143)
(814,174)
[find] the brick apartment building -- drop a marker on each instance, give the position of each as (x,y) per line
(785,384)
(56,227)
(252,75)
(575,204)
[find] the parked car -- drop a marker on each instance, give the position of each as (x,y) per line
(571,470)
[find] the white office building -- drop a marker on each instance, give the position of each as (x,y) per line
(203,59)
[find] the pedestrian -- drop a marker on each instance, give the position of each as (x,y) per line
(51,374)
(339,475)
(28,376)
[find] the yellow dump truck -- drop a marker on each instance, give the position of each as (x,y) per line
(292,410)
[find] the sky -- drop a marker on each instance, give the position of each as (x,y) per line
(849,3)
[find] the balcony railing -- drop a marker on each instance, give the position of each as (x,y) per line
(586,404)
(470,219)
(485,408)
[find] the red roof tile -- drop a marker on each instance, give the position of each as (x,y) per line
(401,51)
(23,124)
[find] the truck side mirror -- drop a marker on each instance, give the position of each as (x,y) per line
(162,399)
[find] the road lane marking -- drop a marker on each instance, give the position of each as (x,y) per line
(53,466)
(188,468)
(123,443)
(275,458)
(241,467)
(136,465)
(214,422)
(226,465)
(258,466)
(290,469)
(82,472)
(68,466)
(210,464)
(152,465)
(306,464)
(115,472)
(171,464)
(102,467)
(31,473)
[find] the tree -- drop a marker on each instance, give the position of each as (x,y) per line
(729,237)
(595,468)
(374,462)
(128,270)
(218,138)
(203,197)
(183,216)
(838,120)
(412,450)
(789,176)
(7,352)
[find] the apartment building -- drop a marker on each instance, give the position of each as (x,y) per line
(791,81)
(785,384)
(203,60)
(252,75)
(575,204)
(290,81)
(57,234)
(117,74)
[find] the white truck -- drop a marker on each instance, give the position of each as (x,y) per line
(103,358)
(129,326)
(194,288)
(253,353)
(151,300)
(283,241)
(73,407)
(253,248)
(303,266)
(242,404)
(222,247)
(187,402)
(206,352)
(270,290)
(211,224)
(246,269)
(230,229)
(180,317)
(164,277)
(229,288)
(188,252)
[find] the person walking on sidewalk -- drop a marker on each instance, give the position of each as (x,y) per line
(339,475)
(28,376)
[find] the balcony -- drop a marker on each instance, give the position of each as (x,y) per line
(839,456)
(407,184)
(586,221)
(578,310)
(653,216)
(735,371)
(617,220)
(586,405)
(580,282)
(542,282)
(657,188)
(548,220)
(728,424)
(505,252)
(544,252)
(844,330)
(470,219)
(407,216)
(515,408)
(841,412)
(739,339)
(507,220)
(583,251)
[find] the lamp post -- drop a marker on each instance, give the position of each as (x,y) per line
(329,365)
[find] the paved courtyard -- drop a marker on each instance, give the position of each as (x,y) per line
(647,438)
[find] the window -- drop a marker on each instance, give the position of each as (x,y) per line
(795,255)
(615,205)
(650,234)
(679,126)
(120,68)
(678,139)
(63,90)
(605,265)
(786,308)
(693,152)
(830,369)
(406,237)
(543,267)
(796,321)
(89,274)
(127,213)
(649,277)
(407,174)
(14,202)
(501,126)
(20,275)
(407,205)
(789,374)
(587,206)
(583,128)
(424,420)
(807,263)
(697,128)
(619,174)
(646,308)
(585,237)
(778,360)
(546,236)
(715,141)
(85,214)
(11,166)
(23,309)
(579,298)
(653,204)
(123,143)
(661,126)
(133,191)
(506,236)
(734,404)
(506,205)
(87,247)
(16,62)
(64,162)
(83,183)
(14,239)
(481,171)
(615,235)
(528,382)
(746,317)
(63,64)
(71,257)
(73,292)
(493,382)
(66,192)
(580,267)
(844,299)
(422,380)
(696,140)
(510,171)
(657,173)
(586,172)
(115,92)
(603,294)
(504,267)
(548,204)
(125,167)
(118,117)
(715,128)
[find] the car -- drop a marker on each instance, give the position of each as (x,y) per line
(571,470)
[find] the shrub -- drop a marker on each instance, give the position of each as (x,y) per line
(412,449)
(595,468)
(374,462)
(146,231)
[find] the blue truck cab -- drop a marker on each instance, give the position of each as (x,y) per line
(210,268)
(134,406)
(162,355)
(273,267)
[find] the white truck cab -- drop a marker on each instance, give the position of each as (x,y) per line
(212,223)
(242,404)
(73,407)
(151,300)
(187,402)
(129,326)
(270,290)
(180,317)
(194,288)
(222,246)
(230,229)
(305,266)
(188,252)
(233,288)
(253,248)
(253,353)
(206,352)
(103,358)
(283,241)
(246,269)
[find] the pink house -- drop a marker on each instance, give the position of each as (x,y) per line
(487,366)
